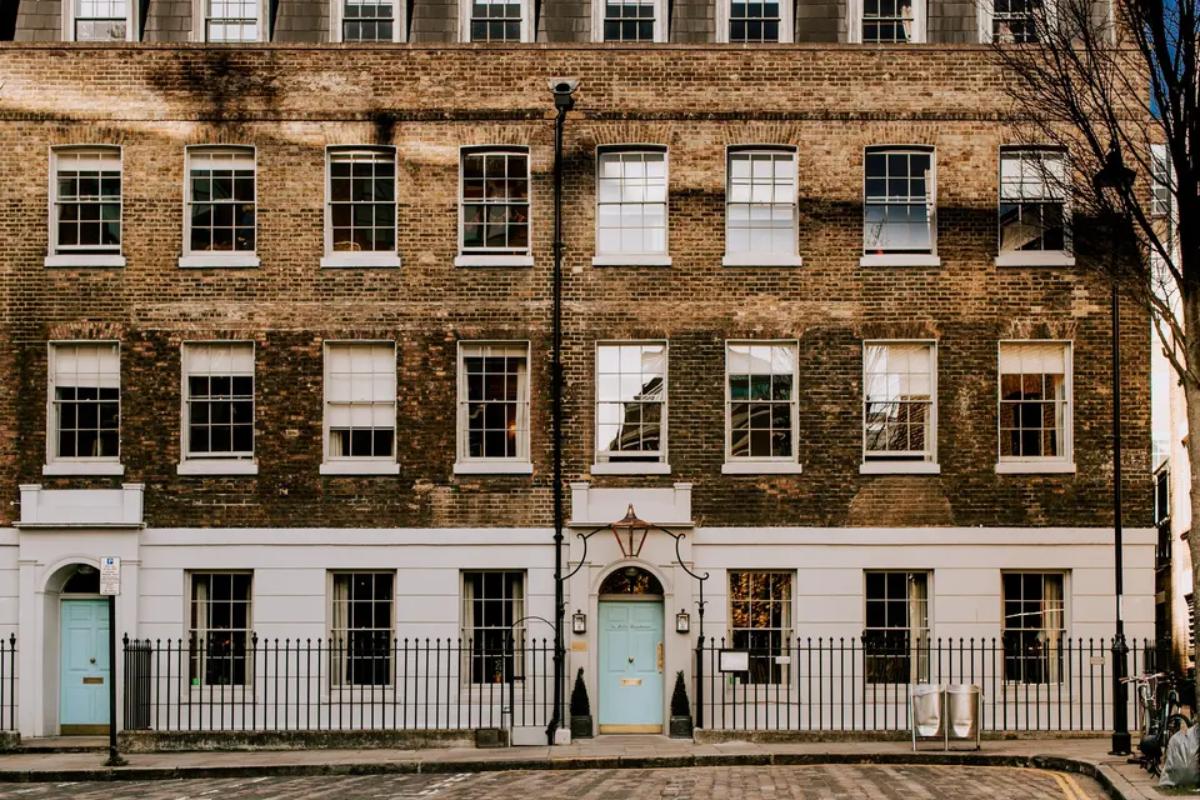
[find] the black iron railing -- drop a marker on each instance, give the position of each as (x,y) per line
(221,683)
(8,683)
(853,684)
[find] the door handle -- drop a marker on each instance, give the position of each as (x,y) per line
(660,657)
(631,659)
(92,660)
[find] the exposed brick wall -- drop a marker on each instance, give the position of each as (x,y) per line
(292,102)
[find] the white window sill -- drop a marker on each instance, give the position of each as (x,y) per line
(480,260)
(84,468)
(761,468)
(350,260)
(1035,468)
(217,466)
(219,261)
(493,468)
(631,468)
(1036,258)
(900,260)
(899,468)
(360,468)
(85,260)
(632,261)
(751,260)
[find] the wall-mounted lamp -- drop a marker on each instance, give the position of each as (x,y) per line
(579,622)
(683,622)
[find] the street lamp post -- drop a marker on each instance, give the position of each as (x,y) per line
(563,90)
(1114,176)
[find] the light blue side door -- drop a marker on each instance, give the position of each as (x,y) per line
(83,699)
(631,678)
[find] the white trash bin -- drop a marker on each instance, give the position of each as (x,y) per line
(927,716)
(962,713)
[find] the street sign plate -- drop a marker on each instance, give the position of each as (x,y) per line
(110,575)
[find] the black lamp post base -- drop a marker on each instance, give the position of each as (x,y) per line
(1121,744)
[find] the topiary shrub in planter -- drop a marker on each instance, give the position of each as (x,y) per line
(681,710)
(581,709)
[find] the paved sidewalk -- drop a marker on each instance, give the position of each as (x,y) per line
(1088,756)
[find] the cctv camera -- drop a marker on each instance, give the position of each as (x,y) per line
(563,85)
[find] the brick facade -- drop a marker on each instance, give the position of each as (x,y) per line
(291,102)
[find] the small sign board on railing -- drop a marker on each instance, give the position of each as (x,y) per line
(733,661)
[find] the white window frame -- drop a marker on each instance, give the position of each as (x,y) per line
(1034,258)
(1162,183)
(337,17)
(786,634)
(754,259)
(70,16)
(649,259)
(660,24)
(375,258)
(1067,610)
(80,465)
(496,259)
(662,465)
(899,466)
(912,258)
(356,465)
(189,601)
(919,659)
(468,627)
(854,16)
(60,258)
(466,465)
(464,23)
(763,465)
(985,13)
(1064,463)
(338,648)
(213,463)
(218,258)
(787,24)
(200,22)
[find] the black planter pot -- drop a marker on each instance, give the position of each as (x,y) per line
(581,727)
(681,727)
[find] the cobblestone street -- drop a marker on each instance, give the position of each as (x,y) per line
(720,783)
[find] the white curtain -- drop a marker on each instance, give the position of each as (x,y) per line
(1052,624)
(199,625)
(339,623)
(918,627)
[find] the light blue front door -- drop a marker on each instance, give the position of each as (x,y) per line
(83,701)
(631,670)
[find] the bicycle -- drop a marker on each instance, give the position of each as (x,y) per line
(1160,721)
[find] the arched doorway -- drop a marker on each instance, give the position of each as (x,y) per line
(631,652)
(81,640)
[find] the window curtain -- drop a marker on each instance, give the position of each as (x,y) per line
(1060,417)
(522,448)
(339,627)
(918,627)
(199,625)
(1052,624)
(469,647)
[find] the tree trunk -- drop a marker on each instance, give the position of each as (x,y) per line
(1190,303)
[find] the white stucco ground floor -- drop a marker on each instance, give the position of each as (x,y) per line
(806,628)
